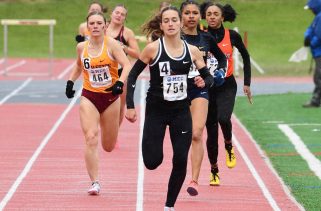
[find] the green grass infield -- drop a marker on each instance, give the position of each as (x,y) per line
(262,120)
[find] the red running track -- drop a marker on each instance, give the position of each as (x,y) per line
(57,178)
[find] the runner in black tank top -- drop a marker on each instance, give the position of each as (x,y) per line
(167,103)
(212,55)
(216,61)
(168,83)
(126,39)
(120,37)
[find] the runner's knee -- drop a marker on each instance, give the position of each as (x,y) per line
(109,146)
(91,138)
(197,134)
(153,162)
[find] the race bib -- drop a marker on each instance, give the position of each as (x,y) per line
(100,77)
(193,72)
(175,87)
(212,63)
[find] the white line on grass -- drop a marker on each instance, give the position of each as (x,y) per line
(291,124)
(313,163)
(256,175)
(253,62)
(22,62)
(304,124)
(140,177)
(272,122)
(257,66)
(66,70)
(14,92)
(35,155)
(269,164)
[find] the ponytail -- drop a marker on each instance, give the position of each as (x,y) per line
(152,27)
(229,13)
(227,10)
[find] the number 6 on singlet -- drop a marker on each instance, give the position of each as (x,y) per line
(175,87)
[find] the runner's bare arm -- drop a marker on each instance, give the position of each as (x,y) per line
(76,71)
(132,49)
(119,55)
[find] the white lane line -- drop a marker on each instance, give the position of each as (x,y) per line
(269,164)
(22,62)
(292,124)
(140,177)
(14,92)
(273,122)
(238,63)
(256,175)
(35,155)
(66,70)
(304,124)
(313,162)
(257,66)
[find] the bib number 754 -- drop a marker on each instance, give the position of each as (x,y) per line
(175,87)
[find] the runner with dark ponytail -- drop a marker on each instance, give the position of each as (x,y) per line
(228,11)
(216,63)
(222,99)
(167,104)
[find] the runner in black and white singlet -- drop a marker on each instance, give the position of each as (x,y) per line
(216,61)
(168,84)
(167,103)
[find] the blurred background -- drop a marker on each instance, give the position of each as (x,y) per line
(274,28)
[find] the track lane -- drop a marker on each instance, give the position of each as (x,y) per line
(58,179)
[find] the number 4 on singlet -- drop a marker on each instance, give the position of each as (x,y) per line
(164,68)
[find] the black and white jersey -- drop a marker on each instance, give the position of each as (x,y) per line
(168,77)
(212,55)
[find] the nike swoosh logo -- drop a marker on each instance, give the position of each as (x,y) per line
(183,132)
(203,93)
(133,85)
(101,60)
(201,47)
(110,100)
(185,62)
(225,45)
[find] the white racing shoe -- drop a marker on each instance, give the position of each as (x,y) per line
(94,189)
